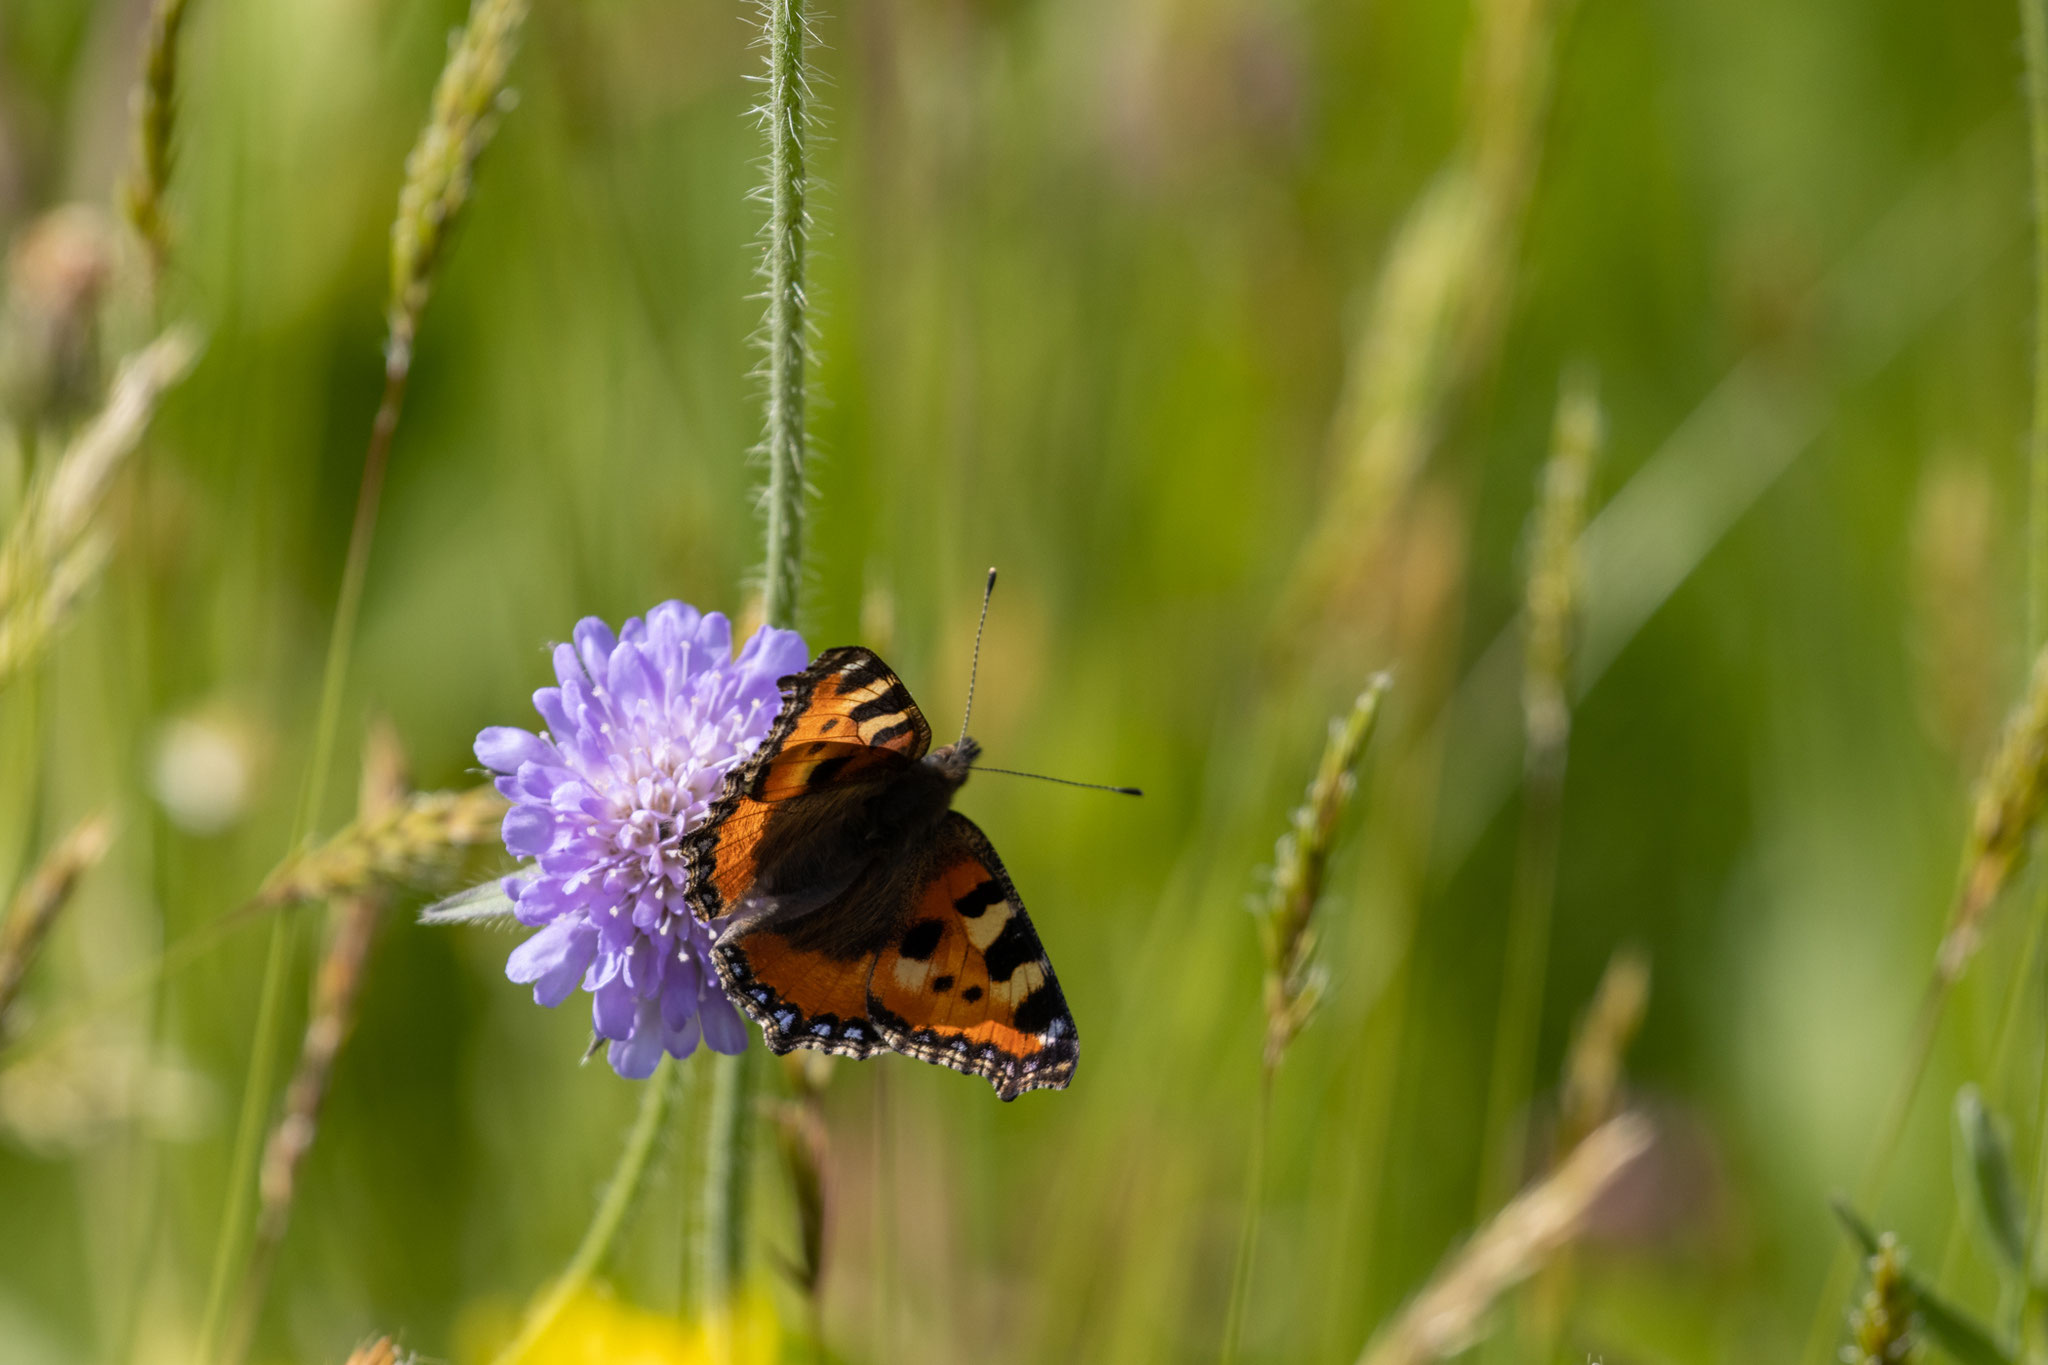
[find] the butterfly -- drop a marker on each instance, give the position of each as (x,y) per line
(855,911)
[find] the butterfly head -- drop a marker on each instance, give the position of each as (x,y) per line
(954,761)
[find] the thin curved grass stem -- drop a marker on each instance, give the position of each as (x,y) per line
(1842,1265)
(256,1084)
(1248,1230)
(610,1216)
(2034,46)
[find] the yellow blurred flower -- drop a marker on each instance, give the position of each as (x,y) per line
(595,1327)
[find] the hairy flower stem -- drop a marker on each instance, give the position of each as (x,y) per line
(786,441)
(611,1213)
(721,1225)
(722,1221)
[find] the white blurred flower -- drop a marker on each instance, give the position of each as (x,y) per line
(204,772)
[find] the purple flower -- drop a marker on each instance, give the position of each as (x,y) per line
(639,738)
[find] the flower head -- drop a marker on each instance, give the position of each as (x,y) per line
(640,735)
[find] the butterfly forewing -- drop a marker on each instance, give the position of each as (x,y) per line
(849,695)
(845,720)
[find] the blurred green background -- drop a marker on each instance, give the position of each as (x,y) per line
(1098,288)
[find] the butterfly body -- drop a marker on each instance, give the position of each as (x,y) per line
(855,910)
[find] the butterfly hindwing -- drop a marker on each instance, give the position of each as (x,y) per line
(964,981)
(799,995)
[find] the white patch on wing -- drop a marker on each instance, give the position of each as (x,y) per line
(982,932)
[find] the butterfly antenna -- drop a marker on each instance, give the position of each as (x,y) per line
(1063,781)
(975,667)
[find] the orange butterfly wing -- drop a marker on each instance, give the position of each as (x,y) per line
(801,995)
(847,718)
(965,982)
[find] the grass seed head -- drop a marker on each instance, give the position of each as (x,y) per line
(2010,796)
(408,844)
(1881,1325)
(468,98)
(1293,982)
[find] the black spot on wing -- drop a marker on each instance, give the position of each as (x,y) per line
(971,994)
(1041,1007)
(922,939)
(1012,948)
(976,902)
(942,984)
(825,770)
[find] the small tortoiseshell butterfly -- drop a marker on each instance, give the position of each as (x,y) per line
(858,912)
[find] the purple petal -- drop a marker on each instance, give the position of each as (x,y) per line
(714,637)
(681,1042)
(503,748)
(641,966)
(594,644)
(529,831)
(723,1029)
(773,653)
(553,960)
(672,624)
(679,993)
(548,701)
(631,679)
(568,668)
(613,1006)
(640,1052)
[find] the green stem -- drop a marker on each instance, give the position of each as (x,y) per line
(721,1243)
(720,1254)
(611,1213)
(256,1085)
(1521,1006)
(1891,1128)
(786,441)
(2034,44)
(1248,1230)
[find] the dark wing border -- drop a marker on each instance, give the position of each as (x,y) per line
(700,849)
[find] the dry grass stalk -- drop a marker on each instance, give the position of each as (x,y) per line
(1956,630)
(438,172)
(801,1135)
(407,844)
(1293,985)
(156,111)
(58,268)
(1593,1068)
(1552,596)
(331,1016)
(2010,796)
(56,547)
(1434,313)
(1446,1316)
(1881,1326)
(41,899)
(382,1351)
